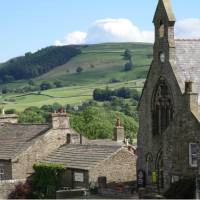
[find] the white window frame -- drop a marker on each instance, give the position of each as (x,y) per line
(191,155)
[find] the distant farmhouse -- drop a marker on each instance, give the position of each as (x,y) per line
(22,145)
(169,115)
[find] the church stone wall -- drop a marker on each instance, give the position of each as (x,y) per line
(121,167)
(183,130)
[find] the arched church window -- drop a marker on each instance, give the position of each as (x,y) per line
(161,30)
(149,164)
(162,108)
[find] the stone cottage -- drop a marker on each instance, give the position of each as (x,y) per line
(169,114)
(21,145)
(85,163)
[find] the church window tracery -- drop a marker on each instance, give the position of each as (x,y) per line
(162,108)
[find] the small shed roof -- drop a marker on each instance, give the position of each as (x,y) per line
(82,156)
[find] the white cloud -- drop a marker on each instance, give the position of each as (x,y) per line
(109,30)
(114,30)
(188,28)
(76,37)
(124,30)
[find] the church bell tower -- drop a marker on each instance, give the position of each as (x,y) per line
(164,21)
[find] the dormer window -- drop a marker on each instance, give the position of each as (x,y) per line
(161,30)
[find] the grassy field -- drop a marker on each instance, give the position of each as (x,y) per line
(74,95)
(101,63)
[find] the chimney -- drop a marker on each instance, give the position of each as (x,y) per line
(60,120)
(118,132)
(191,97)
(8,118)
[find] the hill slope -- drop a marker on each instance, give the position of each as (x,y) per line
(101,63)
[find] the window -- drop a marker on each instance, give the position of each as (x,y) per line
(149,164)
(193,154)
(161,30)
(68,138)
(162,108)
(1,173)
(162,57)
(78,177)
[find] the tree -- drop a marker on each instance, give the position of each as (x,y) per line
(4,90)
(79,70)
(127,54)
(8,78)
(92,66)
(128,66)
(45,86)
(31,117)
(31,82)
(58,84)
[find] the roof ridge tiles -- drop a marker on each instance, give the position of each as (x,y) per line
(182,39)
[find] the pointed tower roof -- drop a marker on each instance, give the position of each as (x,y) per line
(167,6)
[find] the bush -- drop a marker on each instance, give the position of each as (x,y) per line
(128,66)
(11,111)
(46,179)
(79,70)
(22,191)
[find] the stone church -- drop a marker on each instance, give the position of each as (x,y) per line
(169,115)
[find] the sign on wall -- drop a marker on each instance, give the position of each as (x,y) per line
(78,177)
(141,182)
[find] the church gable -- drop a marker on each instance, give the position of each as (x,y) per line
(169,106)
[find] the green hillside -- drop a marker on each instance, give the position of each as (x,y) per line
(102,64)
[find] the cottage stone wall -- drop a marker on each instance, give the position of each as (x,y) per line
(41,147)
(7,186)
(121,167)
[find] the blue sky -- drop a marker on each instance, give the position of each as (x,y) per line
(28,25)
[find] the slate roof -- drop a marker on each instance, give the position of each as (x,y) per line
(168,8)
(187,63)
(81,156)
(14,138)
(105,142)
